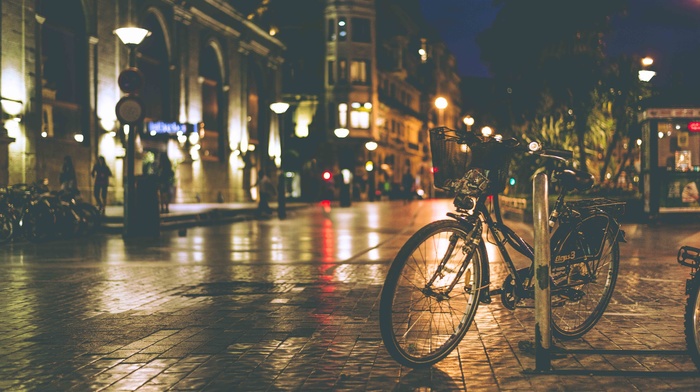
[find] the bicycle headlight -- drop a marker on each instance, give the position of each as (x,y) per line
(534,146)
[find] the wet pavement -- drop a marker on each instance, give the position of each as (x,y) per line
(270,305)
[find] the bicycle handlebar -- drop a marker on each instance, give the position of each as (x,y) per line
(534,148)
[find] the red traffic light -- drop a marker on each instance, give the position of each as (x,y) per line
(327,175)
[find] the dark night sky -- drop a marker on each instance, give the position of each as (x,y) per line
(663,29)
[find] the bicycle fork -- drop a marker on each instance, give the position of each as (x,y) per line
(471,242)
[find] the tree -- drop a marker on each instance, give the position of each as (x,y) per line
(550,47)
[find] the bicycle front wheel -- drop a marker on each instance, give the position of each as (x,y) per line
(421,319)
(692,321)
(584,271)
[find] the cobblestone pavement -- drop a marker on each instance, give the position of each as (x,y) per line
(293,305)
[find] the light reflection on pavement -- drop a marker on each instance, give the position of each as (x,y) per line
(292,305)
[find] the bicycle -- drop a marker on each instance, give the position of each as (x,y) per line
(441,274)
(690,257)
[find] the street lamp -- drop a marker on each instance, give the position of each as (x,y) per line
(468,121)
(646,74)
(371,146)
(280,108)
(441,104)
(130,111)
(486,131)
(132,37)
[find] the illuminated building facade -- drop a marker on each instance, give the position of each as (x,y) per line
(210,75)
(371,70)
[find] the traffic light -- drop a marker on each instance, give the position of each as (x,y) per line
(327,176)
(511,181)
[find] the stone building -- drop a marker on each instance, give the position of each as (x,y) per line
(210,75)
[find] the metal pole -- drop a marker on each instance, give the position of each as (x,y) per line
(281,183)
(130,188)
(371,186)
(543,304)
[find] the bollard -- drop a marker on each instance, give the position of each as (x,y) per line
(543,302)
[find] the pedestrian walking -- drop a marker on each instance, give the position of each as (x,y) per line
(67,178)
(101,173)
(407,183)
(266,191)
(166,180)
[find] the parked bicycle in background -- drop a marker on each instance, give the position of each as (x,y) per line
(441,274)
(32,211)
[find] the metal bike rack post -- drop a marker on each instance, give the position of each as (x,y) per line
(543,303)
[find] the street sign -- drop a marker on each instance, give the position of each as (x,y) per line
(130,80)
(130,110)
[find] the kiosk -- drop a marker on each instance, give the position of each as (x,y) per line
(670,164)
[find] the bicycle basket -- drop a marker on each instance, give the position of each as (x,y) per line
(494,158)
(452,160)
(450,157)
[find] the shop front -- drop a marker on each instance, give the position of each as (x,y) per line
(670,160)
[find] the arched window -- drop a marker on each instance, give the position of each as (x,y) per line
(64,69)
(212,104)
(253,103)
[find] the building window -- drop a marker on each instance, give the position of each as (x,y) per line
(342,29)
(330,109)
(342,70)
(361,31)
(360,115)
(331,29)
(423,51)
(331,72)
(359,72)
(343,115)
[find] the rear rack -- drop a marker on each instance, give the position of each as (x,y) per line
(614,208)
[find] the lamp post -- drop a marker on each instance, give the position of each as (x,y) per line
(468,121)
(130,111)
(370,167)
(280,108)
(441,104)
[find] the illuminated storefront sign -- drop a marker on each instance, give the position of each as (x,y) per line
(694,126)
(154,128)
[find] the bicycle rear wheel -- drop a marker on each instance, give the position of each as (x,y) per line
(583,284)
(692,321)
(421,321)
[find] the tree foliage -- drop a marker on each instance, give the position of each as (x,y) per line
(552,49)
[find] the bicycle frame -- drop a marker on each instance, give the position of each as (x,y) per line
(504,235)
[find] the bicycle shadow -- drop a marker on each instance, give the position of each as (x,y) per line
(559,353)
(431,379)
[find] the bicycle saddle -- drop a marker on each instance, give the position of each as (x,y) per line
(575,179)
